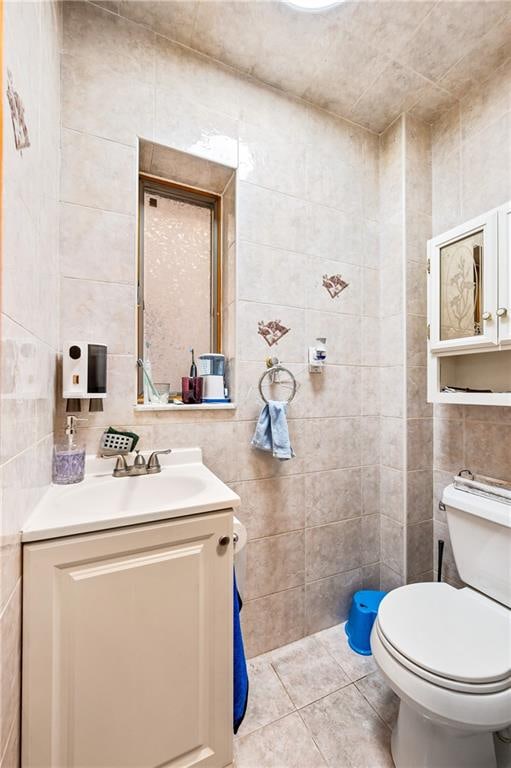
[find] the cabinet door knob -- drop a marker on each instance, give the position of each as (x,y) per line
(224,540)
(501,312)
(486,315)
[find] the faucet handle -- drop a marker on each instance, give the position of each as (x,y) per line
(121,465)
(153,464)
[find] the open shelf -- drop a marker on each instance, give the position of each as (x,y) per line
(477,371)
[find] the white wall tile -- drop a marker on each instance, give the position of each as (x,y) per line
(97,173)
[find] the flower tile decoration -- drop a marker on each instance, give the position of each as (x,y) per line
(334,285)
(272,331)
(21,137)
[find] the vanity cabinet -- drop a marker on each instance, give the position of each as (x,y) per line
(127,647)
(469,303)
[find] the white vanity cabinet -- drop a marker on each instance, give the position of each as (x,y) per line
(469,307)
(127,647)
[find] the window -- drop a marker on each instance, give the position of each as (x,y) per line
(179,278)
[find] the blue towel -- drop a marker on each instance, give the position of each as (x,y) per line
(240,680)
(272,433)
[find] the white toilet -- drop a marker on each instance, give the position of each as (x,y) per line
(447,652)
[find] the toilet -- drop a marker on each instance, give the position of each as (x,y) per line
(447,652)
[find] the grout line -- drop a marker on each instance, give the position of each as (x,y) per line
(79,132)
(25,450)
(7,741)
(27,330)
(389,727)
(10,597)
(260,727)
(314,739)
(94,208)
(311,254)
(129,284)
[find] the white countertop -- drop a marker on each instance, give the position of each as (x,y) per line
(185,486)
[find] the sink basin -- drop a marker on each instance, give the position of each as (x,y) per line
(130,494)
(185,486)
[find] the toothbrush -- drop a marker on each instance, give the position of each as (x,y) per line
(193,367)
(148,379)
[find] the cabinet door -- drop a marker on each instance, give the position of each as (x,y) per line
(127,647)
(462,291)
(504,302)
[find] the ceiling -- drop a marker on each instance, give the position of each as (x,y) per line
(365,60)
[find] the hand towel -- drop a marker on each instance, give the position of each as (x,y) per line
(272,433)
(240,674)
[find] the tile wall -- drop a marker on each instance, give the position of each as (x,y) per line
(307,209)
(406,423)
(393,355)
(419,414)
(29,313)
(471,154)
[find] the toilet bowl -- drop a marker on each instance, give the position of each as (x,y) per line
(447,652)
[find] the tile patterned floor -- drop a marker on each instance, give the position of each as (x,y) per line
(316,704)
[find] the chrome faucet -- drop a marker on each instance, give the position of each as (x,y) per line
(139,466)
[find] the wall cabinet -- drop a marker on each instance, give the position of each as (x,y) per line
(127,647)
(504,280)
(469,296)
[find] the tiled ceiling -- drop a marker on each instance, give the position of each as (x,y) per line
(367,61)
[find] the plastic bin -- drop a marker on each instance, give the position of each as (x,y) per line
(364,608)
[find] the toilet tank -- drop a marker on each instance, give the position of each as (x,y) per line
(480,530)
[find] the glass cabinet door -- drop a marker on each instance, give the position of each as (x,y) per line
(463,285)
(504,301)
(461,278)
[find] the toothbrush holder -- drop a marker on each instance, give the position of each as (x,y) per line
(191,390)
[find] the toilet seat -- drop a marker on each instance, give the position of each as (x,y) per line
(455,639)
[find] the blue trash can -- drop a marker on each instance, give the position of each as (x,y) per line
(364,608)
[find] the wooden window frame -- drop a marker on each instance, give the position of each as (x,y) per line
(195,196)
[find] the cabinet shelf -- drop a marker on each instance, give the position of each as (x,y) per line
(478,371)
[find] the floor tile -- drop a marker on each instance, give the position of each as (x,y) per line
(348,731)
(307,670)
(354,665)
(284,744)
(380,696)
(267,697)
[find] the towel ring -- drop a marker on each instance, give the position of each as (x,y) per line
(271,372)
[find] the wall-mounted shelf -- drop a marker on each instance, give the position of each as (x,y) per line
(469,308)
(481,370)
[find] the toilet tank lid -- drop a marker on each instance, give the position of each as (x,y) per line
(491,509)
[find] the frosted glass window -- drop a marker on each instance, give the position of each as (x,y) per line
(461,271)
(177,280)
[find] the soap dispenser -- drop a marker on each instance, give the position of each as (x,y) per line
(69,456)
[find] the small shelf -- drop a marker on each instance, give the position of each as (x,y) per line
(477,371)
(183,408)
(473,398)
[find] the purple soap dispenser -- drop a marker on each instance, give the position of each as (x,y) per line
(69,456)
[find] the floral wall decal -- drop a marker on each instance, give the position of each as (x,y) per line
(334,284)
(272,331)
(21,138)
